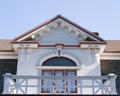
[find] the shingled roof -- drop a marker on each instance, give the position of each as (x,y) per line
(5,45)
(113,46)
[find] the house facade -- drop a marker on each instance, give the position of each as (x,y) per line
(60,57)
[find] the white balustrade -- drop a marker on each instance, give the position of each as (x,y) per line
(14,84)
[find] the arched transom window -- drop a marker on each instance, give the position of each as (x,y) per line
(59,61)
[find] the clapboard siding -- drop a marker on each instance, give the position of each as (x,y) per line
(111,66)
(7,66)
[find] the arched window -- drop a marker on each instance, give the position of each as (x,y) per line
(59,61)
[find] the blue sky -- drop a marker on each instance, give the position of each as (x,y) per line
(19,16)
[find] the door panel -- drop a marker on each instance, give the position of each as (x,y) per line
(59,85)
(47,83)
(71,83)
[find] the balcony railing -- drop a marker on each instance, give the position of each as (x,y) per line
(14,84)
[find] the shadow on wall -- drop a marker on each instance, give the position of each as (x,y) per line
(94,70)
(90,70)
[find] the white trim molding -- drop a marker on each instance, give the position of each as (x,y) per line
(8,55)
(67,55)
(58,67)
(110,56)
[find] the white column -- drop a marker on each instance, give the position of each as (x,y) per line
(113,83)
(20,63)
(97,58)
(89,51)
(6,83)
(20,54)
(28,51)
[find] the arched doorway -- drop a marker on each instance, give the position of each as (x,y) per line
(59,86)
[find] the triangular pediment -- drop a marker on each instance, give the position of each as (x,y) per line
(62,23)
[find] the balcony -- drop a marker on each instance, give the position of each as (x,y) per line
(14,84)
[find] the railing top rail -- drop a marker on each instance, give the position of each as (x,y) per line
(56,77)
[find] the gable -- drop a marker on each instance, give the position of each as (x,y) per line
(65,24)
(58,35)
